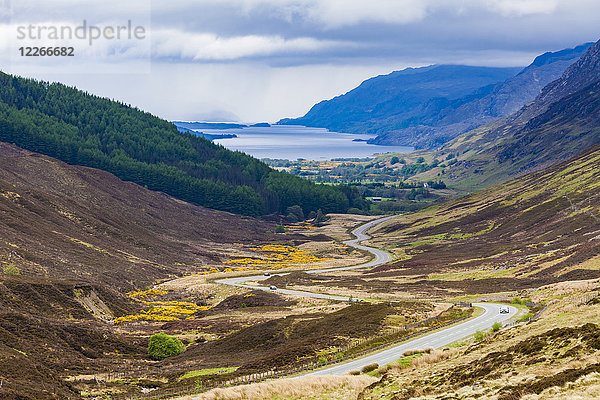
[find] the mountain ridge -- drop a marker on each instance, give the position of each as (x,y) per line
(435,119)
(539,135)
(399,92)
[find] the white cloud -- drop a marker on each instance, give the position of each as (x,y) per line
(209,46)
(333,14)
(338,13)
(523,7)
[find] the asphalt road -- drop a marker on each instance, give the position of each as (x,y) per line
(437,339)
(381,257)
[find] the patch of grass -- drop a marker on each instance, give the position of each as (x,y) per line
(479,336)
(11,269)
(406,361)
(208,371)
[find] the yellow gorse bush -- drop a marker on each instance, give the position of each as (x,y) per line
(277,257)
(161,311)
(144,294)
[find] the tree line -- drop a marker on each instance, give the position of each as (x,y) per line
(83,129)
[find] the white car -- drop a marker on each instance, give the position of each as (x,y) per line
(273,287)
(267,274)
(504,310)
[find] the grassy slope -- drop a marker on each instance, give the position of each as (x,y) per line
(534,230)
(492,154)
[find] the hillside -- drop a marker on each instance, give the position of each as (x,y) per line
(72,241)
(538,229)
(82,129)
(68,222)
(539,135)
(553,358)
(401,99)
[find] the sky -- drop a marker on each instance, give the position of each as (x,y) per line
(262,60)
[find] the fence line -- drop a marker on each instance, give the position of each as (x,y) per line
(311,365)
(534,318)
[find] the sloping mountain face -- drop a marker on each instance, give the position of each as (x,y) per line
(72,241)
(67,222)
(408,113)
(504,99)
(82,129)
(581,74)
(401,99)
(538,229)
(541,134)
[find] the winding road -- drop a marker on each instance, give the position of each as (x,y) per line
(442,338)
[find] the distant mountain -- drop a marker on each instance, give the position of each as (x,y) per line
(504,99)
(415,108)
(561,122)
(583,73)
(400,99)
(82,129)
(208,125)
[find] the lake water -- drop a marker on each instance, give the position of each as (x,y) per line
(291,142)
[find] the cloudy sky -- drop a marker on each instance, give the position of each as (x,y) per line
(261,60)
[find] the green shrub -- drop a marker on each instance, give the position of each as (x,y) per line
(496,326)
(320,217)
(11,269)
(280,229)
(517,300)
(479,335)
(162,346)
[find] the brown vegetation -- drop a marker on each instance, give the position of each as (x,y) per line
(305,388)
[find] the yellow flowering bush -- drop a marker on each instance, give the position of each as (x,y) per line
(144,294)
(277,257)
(161,311)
